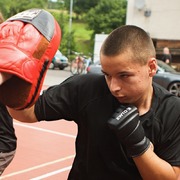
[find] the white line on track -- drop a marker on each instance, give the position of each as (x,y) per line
(44,130)
(52,173)
(40,166)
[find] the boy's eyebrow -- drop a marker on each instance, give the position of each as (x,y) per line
(120,73)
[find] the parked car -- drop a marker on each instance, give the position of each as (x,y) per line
(59,61)
(94,68)
(166,76)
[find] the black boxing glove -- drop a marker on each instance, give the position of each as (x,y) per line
(125,123)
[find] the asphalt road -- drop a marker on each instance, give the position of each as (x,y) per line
(56,76)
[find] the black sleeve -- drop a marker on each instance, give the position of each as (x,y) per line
(67,100)
(58,102)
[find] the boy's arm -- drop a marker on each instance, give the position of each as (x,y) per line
(151,166)
(125,123)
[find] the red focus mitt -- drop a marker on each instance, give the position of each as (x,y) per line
(28,43)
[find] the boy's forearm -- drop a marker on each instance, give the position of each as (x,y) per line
(151,166)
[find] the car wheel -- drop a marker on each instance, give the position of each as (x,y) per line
(61,68)
(174,88)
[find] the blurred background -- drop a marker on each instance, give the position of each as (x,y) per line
(85,23)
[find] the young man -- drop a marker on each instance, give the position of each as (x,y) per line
(128,126)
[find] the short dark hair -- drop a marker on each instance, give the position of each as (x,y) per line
(131,39)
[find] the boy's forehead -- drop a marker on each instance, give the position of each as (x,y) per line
(119,64)
(119,58)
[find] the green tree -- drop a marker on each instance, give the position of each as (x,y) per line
(106,16)
(11,8)
(58,4)
(67,39)
(81,6)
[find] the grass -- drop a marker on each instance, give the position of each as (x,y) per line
(81,31)
(82,37)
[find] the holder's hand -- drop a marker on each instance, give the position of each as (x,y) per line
(4,77)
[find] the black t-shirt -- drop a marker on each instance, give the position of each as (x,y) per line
(87,100)
(7,132)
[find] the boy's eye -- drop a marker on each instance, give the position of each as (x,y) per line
(107,76)
(124,76)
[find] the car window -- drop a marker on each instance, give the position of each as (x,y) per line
(58,53)
(164,67)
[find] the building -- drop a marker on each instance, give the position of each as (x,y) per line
(99,38)
(160,18)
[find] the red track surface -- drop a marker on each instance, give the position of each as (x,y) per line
(45,150)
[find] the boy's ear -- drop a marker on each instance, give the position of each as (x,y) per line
(152,67)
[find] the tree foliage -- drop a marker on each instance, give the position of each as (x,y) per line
(11,8)
(106,16)
(67,38)
(58,4)
(100,15)
(81,6)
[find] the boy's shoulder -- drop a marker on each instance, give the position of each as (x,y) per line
(165,99)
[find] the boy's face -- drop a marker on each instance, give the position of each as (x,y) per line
(128,81)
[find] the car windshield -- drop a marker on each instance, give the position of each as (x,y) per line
(58,53)
(164,67)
